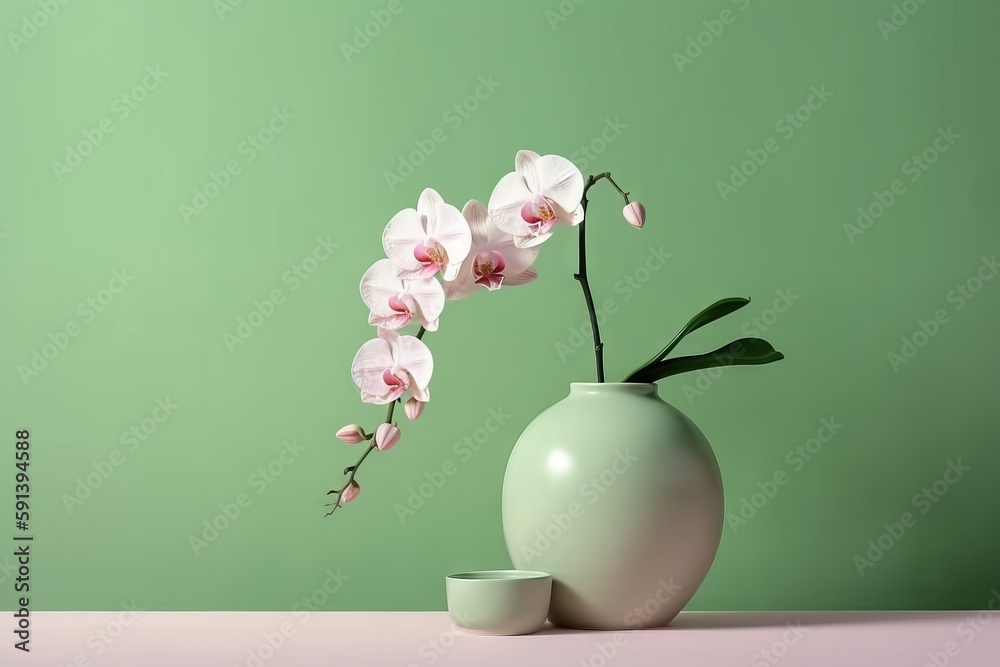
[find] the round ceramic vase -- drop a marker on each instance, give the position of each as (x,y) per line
(618,495)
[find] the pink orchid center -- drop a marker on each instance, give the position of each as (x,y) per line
(432,255)
(403,311)
(398,305)
(396,381)
(539,213)
(487,268)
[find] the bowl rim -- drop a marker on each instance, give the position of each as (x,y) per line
(499,575)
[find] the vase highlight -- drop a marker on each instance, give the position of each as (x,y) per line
(618,495)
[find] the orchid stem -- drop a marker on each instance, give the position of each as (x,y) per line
(351,471)
(581,275)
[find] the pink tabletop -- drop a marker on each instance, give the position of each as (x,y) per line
(422,639)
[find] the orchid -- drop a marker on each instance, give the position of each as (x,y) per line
(635,214)
(541,192)
(487,247)
(395,301)
(387,436)
(494,259)
(350,493)
(352,434)
(388,366)
(414,409)
(432,238)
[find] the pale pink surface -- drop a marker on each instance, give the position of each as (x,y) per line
(402,639)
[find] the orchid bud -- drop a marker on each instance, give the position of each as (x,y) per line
(350,493)
(414,408)
(386,437)
(352,434)
(635,214)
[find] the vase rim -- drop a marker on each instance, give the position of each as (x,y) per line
(643,388)
(613,384)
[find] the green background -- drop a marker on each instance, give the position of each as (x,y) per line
(557,85)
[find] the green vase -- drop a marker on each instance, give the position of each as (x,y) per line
(618,496)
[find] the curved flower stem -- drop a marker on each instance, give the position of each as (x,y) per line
(581,274)
(351,471)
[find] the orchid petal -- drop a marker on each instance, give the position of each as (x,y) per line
(390,337)
(461,289)
(521,278)
(508,196)
(491,282)
(564,217)
(560,180)
(414,356)
(369,362)
(429,202)
(428,296)
(464,284)
(404,232)
(452,271)
(452,231)
(397,322)
(476,215)
(378,286)
(531,241)
(527,165)
(518,259)
(422,395)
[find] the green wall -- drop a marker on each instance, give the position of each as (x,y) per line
(837,297)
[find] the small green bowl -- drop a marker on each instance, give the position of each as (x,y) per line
(499,602)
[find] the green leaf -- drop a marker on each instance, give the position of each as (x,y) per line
(742,352)
(717,310)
